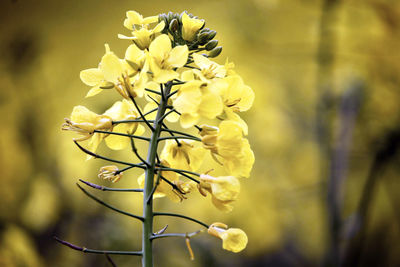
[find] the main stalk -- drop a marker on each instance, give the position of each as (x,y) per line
(147,248)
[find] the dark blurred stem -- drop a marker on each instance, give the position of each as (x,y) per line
(325,60)
(348,111)
(110,260)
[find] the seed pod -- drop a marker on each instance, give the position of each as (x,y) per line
(211,44)
(215,52)
(173,26)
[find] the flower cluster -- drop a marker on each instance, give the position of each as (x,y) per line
(168,67)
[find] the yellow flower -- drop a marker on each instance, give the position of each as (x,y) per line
(188,155)
(224,190)
(142,35)
(233,239)
(190,27)
(208,68)
(164,59)
(114,72)
(110,173)
(164,189)
(134,18)
(123,110)
(85,122)
(237,97)
(228,143)
(194,100)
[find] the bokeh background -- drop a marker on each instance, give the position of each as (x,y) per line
(324,129)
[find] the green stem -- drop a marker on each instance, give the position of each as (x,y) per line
(147,248)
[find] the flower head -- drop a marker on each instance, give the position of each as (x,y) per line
(85,122)
(233,239)
(185,155)
(142,35)
(228,143)
(224,190)
(164,59)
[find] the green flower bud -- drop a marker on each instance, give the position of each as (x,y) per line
(170,16)
(211,34)
(215,52)
(205,30)
(173,26)
(202,38)
(211,44)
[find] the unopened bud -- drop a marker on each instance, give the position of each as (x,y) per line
(173,26)
(205,30)
(211,45)
(202,38)
(215,52)
(211,34)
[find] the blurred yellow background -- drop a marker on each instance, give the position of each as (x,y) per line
(324,129)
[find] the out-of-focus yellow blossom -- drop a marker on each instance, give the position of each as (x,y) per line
(163,59)
(194,100)
(187,155)
(228,143)
(223,189)
(165,189)
(233,239)
(110,173)
(190,27)
(113,72)
(123,110)
(208,68)
(142,35)
(85,122)
(237,97)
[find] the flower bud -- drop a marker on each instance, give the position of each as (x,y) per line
(215,52)
(211,34)
(173,25)
(211,45)
(202,37)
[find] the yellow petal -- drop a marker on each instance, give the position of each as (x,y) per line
(111,67)
(132,17)
(134,54)
(159,27)
(82,114)
(160,47)
(211,106)
(234,240)
(230,115)
(178,56)
(91,77)
(188,120)
(93,91)
(117,142)
(190,26)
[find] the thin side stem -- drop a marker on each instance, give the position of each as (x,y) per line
(108,205)
(107,159)
(122,134)
(181,216)
(104,188)
(95,251)
(179,137)
(141,115)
